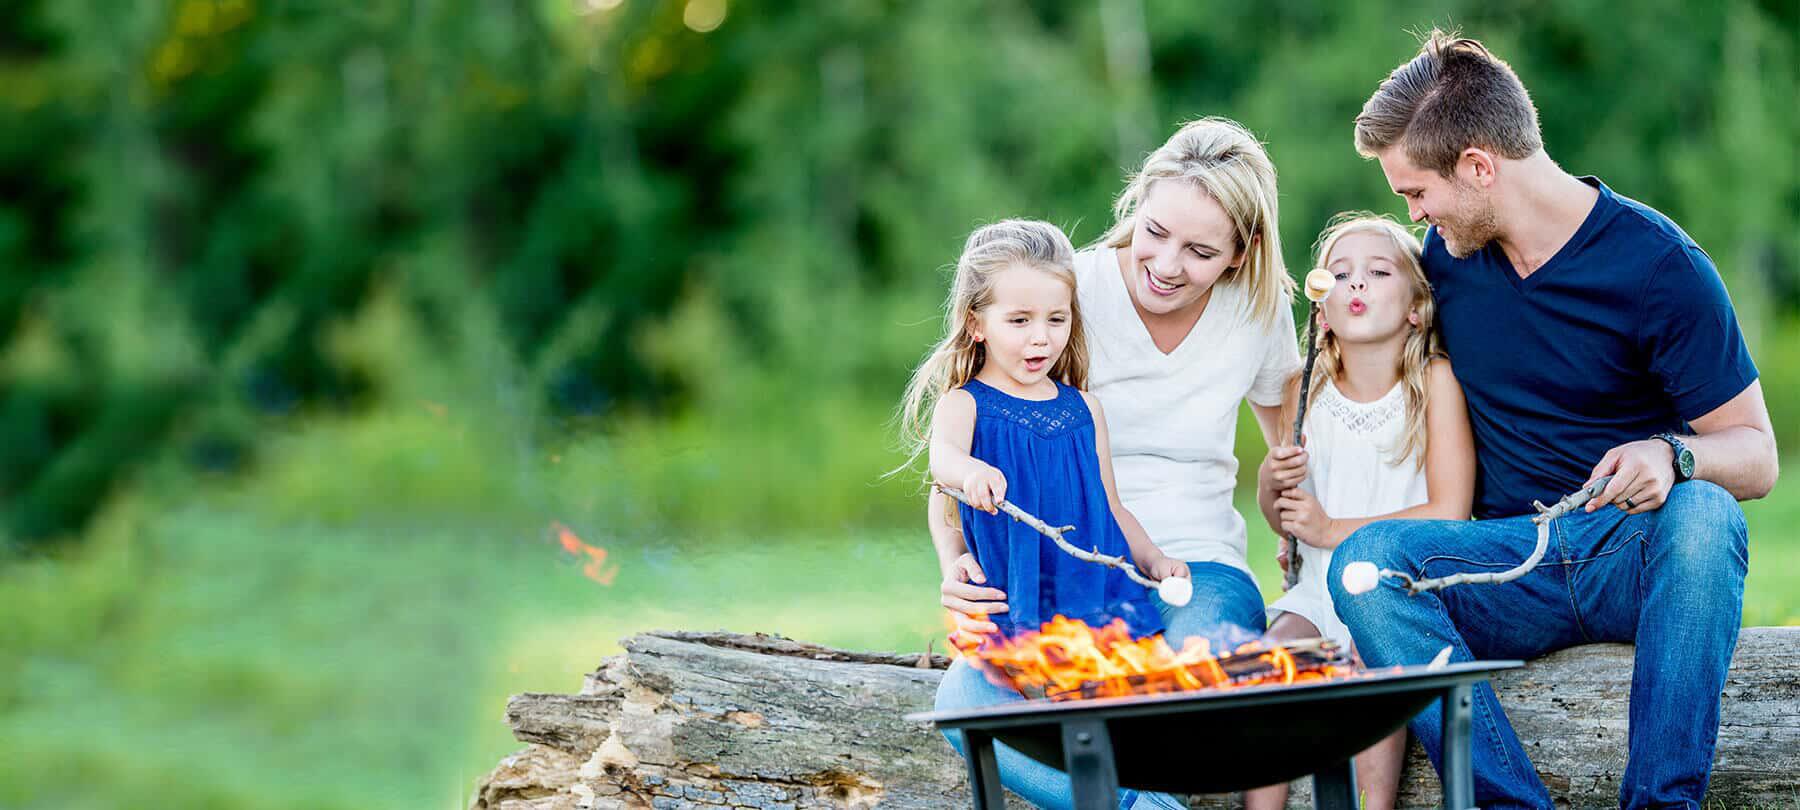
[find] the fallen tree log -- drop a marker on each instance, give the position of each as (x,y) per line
(716,719)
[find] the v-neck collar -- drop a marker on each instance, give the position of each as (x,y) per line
(1588,224)
(1122,297)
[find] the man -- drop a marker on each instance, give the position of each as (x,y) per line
(1592,337)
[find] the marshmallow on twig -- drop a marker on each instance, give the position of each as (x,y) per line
(1361,576)
(1318,284)
(1175,590)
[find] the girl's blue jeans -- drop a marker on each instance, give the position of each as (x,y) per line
(1226,608)
(1671,580)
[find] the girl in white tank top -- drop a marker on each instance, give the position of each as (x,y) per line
(1386,436)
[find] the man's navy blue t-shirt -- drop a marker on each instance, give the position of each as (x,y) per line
(1625,333)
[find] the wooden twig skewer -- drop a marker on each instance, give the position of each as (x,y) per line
(1546,514)
(1172,593)
(1319,283)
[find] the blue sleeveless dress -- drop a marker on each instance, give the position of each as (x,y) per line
(1048,453)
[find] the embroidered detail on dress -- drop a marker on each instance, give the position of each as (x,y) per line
(1046,418)
(1362,417)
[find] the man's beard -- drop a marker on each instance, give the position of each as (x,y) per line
(1473,226)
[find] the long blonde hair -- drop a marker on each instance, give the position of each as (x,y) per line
(1221,158)
(957,358)
(1421,341)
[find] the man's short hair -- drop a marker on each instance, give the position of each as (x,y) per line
(1452,96)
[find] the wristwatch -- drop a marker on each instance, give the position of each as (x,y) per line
(1684,458)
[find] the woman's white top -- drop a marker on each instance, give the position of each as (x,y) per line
(1172,418)
(1351,469)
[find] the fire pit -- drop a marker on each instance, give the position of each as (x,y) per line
(1230,739)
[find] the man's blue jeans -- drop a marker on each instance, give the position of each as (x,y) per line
(1226,608)
(1671,580)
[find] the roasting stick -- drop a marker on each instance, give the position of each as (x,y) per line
(1362,576)
(1318,287)
(1174,590)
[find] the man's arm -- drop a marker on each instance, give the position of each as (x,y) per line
(1734,447)
(1691,337)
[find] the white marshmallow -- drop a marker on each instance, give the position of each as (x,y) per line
(1175,590)
(1361,577)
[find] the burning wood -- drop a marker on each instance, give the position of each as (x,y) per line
(1068,660)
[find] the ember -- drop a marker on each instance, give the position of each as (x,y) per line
(1068,660)
(592,558)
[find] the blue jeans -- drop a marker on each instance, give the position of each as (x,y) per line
(1672,581)
(1223,596)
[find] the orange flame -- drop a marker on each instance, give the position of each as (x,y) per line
(1067,659)
(594,555)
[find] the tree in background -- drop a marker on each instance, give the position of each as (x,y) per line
(703,210)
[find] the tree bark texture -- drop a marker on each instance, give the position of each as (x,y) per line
(724,720)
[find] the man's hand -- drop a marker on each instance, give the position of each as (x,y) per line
(1304,518)
(969,602)
(1643,473)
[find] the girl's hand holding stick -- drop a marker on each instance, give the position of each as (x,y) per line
(1175,589)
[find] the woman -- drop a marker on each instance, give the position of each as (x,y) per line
(1186,301)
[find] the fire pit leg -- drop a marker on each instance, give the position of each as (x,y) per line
(984,770)
(1457,755)
(1088,758)
(1334,787)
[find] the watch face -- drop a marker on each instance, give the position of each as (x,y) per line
(1684,460)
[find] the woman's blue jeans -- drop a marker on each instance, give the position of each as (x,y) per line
(1226,608)
(1671,580)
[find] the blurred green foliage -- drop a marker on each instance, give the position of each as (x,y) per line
(718,250)
(314,315)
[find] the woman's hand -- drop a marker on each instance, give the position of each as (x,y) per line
(986,487)
(1302,517)
(970,603)
(1282,469)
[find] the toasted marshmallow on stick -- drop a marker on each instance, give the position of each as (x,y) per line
(1318,284)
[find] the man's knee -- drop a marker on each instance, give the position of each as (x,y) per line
(1383,543)
(1702,529)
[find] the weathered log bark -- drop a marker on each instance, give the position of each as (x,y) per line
(714,719)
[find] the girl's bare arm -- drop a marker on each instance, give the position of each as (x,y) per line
(1449,459)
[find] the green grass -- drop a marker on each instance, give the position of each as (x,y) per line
(342,628)
(227,660)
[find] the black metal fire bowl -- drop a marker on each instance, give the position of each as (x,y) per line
(1223,740)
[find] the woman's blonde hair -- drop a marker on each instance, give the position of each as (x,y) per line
(1223,160)
(1421,340)
(957,358)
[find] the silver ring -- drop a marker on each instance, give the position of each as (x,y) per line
(1629,504)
